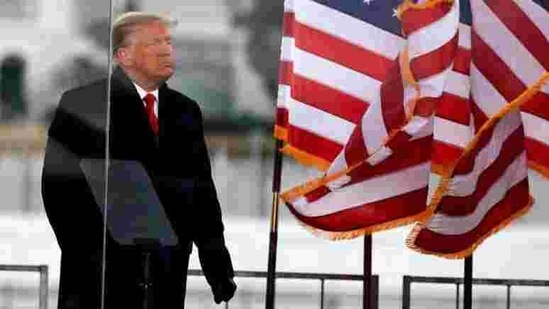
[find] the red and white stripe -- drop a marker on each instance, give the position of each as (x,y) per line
(512,37)
(453,126)
(428,41)
(327,80)
(529,32)
(489,186)
(380,178)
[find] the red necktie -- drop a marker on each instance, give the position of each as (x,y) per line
(149,106)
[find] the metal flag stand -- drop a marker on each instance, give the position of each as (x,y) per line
(468,282)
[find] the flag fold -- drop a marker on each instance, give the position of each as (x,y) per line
(380,94)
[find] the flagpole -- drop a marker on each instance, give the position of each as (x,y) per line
(468,283)
(367,297)
(273,234)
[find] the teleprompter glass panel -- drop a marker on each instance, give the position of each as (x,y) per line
(51,230)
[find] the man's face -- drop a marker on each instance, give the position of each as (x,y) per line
(150,52)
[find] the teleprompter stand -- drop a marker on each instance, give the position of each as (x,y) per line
(133,212)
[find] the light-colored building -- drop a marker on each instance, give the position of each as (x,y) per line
(43,35)
(52,40)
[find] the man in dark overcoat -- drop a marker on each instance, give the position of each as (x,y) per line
(162,130)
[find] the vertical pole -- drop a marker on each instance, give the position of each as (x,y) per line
(146,284)
(321,293)
(107,161)
(273,234)
(406,292)
(468,283)
(367,297)
(457,295)
(375,291)
(508,297)
(44,287)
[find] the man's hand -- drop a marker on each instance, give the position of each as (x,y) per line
(224,291)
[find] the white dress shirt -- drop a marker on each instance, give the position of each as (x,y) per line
(142,93)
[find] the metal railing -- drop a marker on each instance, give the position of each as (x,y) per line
(306,276)
(43,287)
(408,280)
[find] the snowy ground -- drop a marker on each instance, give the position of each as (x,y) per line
(519,252)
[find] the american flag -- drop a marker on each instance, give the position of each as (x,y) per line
(358,90)
(482,195)
(511,37)
(357,95)
(334,57)
(488,187)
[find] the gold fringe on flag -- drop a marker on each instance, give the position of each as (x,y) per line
(540,169)
(305,158)
(292,194)
(410,5)
(468,251)
(281,133)
(444,184)
(333,235)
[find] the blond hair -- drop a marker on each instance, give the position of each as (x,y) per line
(125,24)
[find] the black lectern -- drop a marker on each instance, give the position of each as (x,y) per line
(132,209)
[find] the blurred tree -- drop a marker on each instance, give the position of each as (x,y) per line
(132,5)
(264,22)
(98,29)
(17,9)
(78,71)
(72,72)
(12,87)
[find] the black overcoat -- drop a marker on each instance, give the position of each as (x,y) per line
(176,160)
